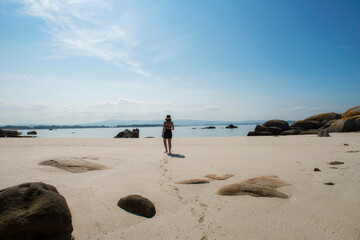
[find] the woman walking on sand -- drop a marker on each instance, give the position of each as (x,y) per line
(166,133)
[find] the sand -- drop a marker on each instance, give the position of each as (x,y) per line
(194,211)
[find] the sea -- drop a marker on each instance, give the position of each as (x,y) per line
(180,131)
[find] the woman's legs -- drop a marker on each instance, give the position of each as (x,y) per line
(166,150)
(169,142)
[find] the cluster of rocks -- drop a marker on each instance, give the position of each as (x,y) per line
(14,133)
(9,133)
(231,126)
(37,210)
(135,133)
(320,124)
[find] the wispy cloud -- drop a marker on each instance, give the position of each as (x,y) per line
(90,28)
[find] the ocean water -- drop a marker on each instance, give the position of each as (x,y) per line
(180,131)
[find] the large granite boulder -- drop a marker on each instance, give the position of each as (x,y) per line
(291,132)
(277,123)
(128,134)
(270,128)
(352,112)
(138,205)
(323,118)
(305,125)
(346,124)
(262,133)
(34,211)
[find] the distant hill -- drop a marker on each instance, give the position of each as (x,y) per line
(182,122)
(133,123)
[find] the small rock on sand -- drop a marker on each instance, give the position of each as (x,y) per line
(329,183)
(250,189)
(215,177)
(271,181)
(193,181)
(138,205)
(317,170)
(73,165)
(336,163)
(258,187)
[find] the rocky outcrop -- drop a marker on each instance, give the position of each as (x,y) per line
(270,128)
(346,124)
(209,127)
(138,205)
(305,125)
(333,122)
(352,112)
(231,126)
(128,134)
(9,133)
(34,211)
(277,123)
(32,133)
(291,132)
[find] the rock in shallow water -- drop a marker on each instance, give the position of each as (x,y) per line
(138,205)
(34,211)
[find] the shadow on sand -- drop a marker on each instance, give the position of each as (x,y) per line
(175,155)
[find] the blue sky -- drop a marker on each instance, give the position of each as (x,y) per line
(78,61)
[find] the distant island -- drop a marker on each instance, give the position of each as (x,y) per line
(130,124)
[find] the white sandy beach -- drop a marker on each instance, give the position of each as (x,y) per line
(139,166)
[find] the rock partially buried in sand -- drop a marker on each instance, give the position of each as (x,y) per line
(336,163)
(33,211)
(317,170)
(215,177)
(258,187)
(250,189)
(73,165)
(271,181)
(329,183)
(193,181)
(138,205)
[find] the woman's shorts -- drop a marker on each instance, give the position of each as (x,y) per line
(168,134)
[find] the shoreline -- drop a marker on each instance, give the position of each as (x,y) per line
(139,166)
